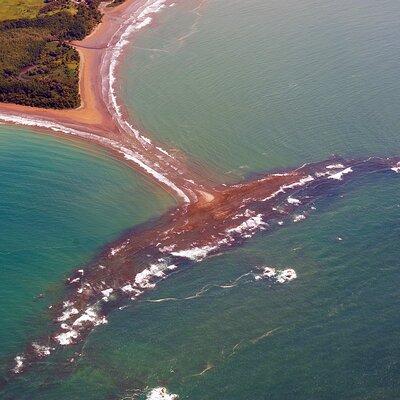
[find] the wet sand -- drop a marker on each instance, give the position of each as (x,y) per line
(208,219)
(132,265)
(99,121)
(92,113)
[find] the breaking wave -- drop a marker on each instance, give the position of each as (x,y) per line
(128,154)
(161,393)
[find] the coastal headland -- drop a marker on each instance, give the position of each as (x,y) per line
(209,218)
(100,119)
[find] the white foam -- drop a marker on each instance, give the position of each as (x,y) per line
(41,350)
(250,225)
(286,275)
(396,168)
(67,314)
(269,272)
(283,188)
(107,293)
(335,166)
(143,279)
(67,304)
(66,338)
(127,153)
(292,200)
(320,174)
(246,230)
(280,276)
(169,155)
(161,393)
(116,250)
(339,175)
(133,24)
(167,249)
(90,316)
(19,364)
(128,288)
(299,217)
(130,155)
(146,279)
(195,253)
(136,22)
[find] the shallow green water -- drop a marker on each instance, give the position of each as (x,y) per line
(252,85)
(59,204)
(332,333)
(256,85)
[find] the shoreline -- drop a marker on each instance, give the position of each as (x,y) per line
(100,120)
(133,264)
(208,218)
(92,112)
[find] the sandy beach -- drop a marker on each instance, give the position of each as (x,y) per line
(93,112)
(209,219)
(100,120)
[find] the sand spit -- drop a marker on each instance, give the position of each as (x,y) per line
(208,219)
(132,265)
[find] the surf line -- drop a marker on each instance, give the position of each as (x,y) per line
(135,263)
(101,118)
(208,219)
(113,145)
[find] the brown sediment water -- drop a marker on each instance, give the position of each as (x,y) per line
(101,120)
(132,265)
(208,219)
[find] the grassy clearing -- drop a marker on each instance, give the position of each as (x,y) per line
(16,9)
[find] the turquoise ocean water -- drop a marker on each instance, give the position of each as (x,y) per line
(242,87)
(251,85)
(59,203)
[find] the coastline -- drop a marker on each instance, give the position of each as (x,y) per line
(99,119)
(92,112)
(127,268)
(208,219)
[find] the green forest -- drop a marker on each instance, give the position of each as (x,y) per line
(37,65)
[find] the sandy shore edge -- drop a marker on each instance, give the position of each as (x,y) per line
(93,112)
(99,119)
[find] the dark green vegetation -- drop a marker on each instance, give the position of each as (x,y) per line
(116,3)
(37,65)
